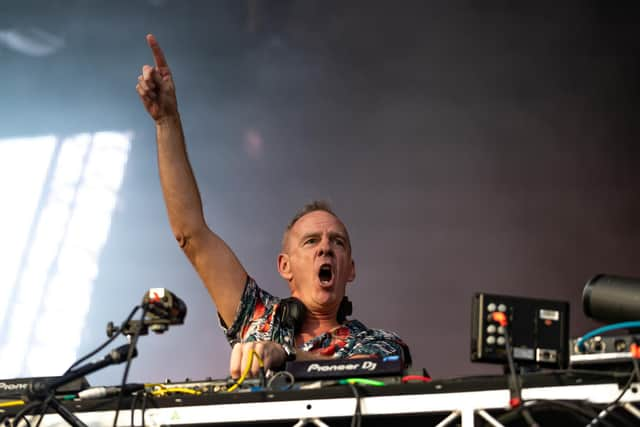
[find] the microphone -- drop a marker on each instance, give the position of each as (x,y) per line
(40,389)
(164,308)
(612,299)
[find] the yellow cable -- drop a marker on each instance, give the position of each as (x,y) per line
(152,386)
(11,403)
(246,370)
(168,390)
(260,363)
(184,390)
(164,390)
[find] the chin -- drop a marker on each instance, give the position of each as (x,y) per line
(325,298)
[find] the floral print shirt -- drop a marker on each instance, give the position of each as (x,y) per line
(256,320)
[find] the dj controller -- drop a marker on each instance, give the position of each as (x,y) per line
(348,392)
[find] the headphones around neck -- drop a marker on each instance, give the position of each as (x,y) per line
(291,312)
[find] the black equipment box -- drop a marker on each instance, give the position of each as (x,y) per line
(603,352)
(538,330)
(16,388)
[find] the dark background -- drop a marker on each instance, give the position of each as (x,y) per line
(468,146)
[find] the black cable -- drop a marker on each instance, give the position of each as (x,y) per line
(507,417)
(591,415)
(515,380)
(515,383)
(624,389)
(528,418)
(24,411)
(619,417)
(583,414)
(45,405)
(636,367)
(132,349)
(144,405)
(107,342)
(635,373)
(276,377)
(262,377)
(356,420)
(587,414)
(5,419)
(133,408)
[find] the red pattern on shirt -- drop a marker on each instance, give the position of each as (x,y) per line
(259,311)
(266,326)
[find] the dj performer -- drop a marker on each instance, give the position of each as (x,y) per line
(315,261)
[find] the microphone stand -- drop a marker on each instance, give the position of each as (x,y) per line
(164,309)
(66,414)
(42,390)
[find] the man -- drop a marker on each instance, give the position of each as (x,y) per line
(315,260)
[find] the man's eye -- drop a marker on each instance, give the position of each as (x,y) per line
(310,241)
(340,242)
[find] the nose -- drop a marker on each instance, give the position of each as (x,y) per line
(324,248)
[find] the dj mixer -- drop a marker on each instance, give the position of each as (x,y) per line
(383,396)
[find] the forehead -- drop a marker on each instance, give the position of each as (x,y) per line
(318,221)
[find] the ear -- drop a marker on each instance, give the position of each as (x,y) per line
(352,273)
(284,267)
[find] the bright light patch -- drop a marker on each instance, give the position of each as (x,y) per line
(24,164)
(50,289)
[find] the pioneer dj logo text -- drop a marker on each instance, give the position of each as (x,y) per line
(367,365)
(13,387)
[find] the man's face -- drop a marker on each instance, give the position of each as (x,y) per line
(317,261)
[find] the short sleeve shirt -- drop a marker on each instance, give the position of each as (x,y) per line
(256,320)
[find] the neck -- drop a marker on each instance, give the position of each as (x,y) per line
(316,324)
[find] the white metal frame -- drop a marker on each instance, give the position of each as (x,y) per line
(463,405)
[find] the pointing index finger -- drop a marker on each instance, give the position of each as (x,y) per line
(158,56)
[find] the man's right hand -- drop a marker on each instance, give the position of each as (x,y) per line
(271,353)
(155,85)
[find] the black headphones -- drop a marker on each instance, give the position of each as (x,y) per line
(291,312)
(345,309)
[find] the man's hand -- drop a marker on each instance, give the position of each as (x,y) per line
(271,353)
(155,85)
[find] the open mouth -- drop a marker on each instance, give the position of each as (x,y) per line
(325,274)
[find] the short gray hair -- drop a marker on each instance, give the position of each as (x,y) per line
(315,205)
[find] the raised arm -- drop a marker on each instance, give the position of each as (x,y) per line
(215,262)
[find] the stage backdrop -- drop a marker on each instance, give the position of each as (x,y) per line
(467,147)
